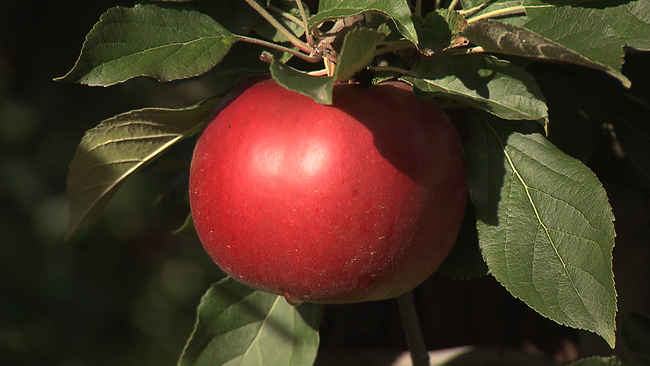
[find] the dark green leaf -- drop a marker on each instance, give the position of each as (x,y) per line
(118,147)
(149,40)
(268,31)
(398,10)
(357,52)
(559,36)
(237,325)
(465,260)
(187,229)
(483,81)
(629,116)
(438,30)
(545,226)
(636,332)
(317,87)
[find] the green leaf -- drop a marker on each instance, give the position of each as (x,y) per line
(398,10)
(629,19)
(482,81)
(599,361)
(636,332)
(357,52)
(318,88)
(237,325)
(438,30)
(268,31)
(544,224)
(117,148)
(165,43)
(565,36)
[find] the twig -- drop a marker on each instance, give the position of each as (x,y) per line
(412,330)
(305,25)
(308,58)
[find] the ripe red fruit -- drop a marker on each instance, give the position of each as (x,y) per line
(361,200)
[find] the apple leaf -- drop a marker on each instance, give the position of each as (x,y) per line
(357,52)
(630,20)
(237,325)
(398,10)
(438,31)
(165,43)
(317,87)
(564,36)
(482,81)
(544,224)
(118,147)
(636,332)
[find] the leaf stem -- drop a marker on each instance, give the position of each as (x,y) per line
(285,14)
(278,47)
(453,4)
(498,13)
(269,18)
(303,16)
(412,330)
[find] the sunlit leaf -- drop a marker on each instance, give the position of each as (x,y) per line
(118,147)
(557,37)
(545,226)
(165,43)
(237,325)
(398,10)
(483,81)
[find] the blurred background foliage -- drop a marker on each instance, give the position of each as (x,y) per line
(124,291)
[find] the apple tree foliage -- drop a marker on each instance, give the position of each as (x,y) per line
(539,222)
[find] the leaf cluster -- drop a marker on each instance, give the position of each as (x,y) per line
(539,82)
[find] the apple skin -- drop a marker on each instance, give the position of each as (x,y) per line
(361,200)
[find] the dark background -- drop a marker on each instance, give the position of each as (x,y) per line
(124,290)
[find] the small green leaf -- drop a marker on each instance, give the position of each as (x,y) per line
(560,36)
(437,31)
(398,10)
(357,52)
(318,88)
(544,224)
(165,43)
(636,332)
(237,325)
(483,81)
(118,147)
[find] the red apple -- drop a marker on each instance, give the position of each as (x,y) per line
(361,200)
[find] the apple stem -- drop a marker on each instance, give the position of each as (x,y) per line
(412,330)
